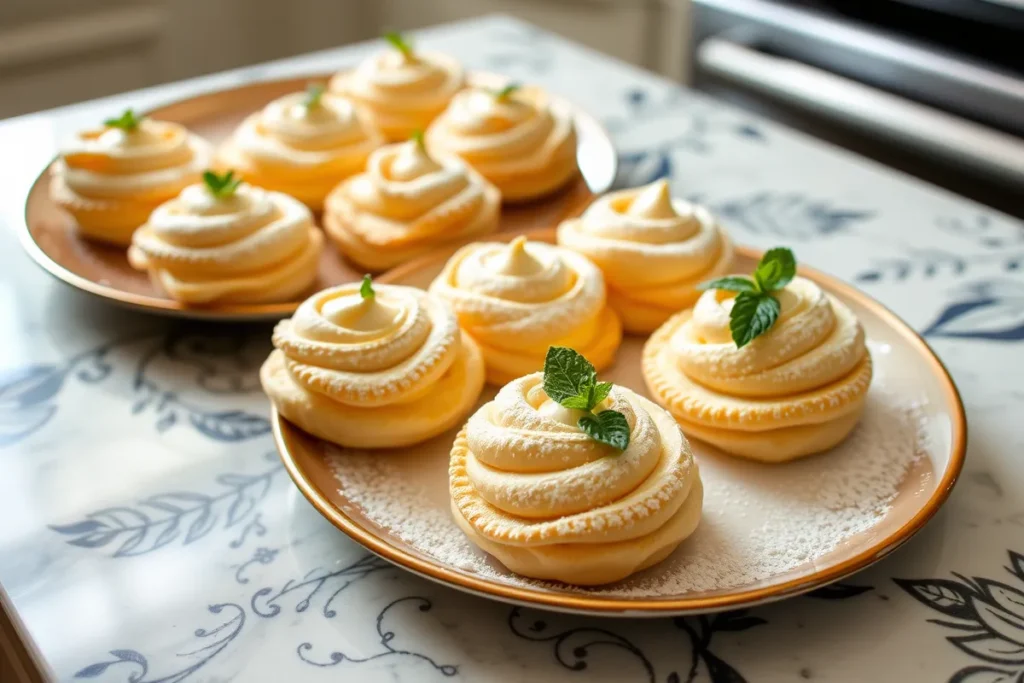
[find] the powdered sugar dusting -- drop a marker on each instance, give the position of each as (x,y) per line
(759,521)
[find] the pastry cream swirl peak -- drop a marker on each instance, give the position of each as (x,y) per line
(403,91)
(112,178)
(251,246)
(531,488)
(406,203)
(653,250)
(519,299)
(797,389)
(374,372)
(523,143)
(300,148)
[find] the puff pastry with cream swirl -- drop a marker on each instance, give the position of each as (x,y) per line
(653,250)
(402,91)
(253,246)
(796,390)
(380,372)
(407,203)
(518,299)
(530,488)
(523,143)
(301,150)
(110,179)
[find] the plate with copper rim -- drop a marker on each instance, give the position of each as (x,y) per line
(910,366)
(49,237)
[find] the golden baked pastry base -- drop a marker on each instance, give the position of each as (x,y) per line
(50,238)
(913,368)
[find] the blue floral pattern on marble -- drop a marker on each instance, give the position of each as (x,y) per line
(789,216)
(988,617)
(992,310)
(173,516)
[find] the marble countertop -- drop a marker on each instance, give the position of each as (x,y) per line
(150,534)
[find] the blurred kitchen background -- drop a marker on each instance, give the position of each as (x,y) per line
(934,87)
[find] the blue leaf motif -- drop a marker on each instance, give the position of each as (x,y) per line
(641,168)
(30,385)
(83,527)
(951,598)
(791,216)
(93,670)
(985,674)
(95,540)
(20,422)
(990,648)
(992,310)
(231,425)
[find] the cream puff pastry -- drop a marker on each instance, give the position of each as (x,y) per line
(110,179)
(402,89)
(653,250)
(516,138)
(518,299)
(302,144)
(796,390)
(246,245)
(407,203)
(376,366)
(549,502)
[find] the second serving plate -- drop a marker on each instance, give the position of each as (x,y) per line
(49,236)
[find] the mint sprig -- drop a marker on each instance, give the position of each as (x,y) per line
(506,92)
(399,42)
(128,121)
(756,309)
(222,186)
(314,95)
(571,380)
(366,288)
(417,137)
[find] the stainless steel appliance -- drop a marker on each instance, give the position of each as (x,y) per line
(934,87)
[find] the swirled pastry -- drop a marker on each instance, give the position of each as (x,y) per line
(251,246)
(403,90)
(406,203)
(653,250)
(798,389)
(518,299)
(302,144)
(110,179)
(520,141)
(379,371)
(530,488)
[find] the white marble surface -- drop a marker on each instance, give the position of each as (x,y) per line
(149,534)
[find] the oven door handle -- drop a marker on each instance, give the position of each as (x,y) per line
(955,139)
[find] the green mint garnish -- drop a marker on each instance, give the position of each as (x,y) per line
(222,186)
(506,92)
(366,288)
(128,121)
(417,137)
(314,93)
(756,309)
(399,42)
(570,379)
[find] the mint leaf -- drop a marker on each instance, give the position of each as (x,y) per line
(221,186)
(567,374)
(366,288)
(417,137)
(507,91)
(731,283)
(608,427)
(127,121)
(599,393)
(752,315)
(579,402)
(314,95)
(776,269)
(399,42)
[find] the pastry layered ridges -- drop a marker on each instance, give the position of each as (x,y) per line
(522,142)
(301,146)
(529,487)
(796,390)
(406,203)
(387,370)
(653,250)
(518,299)
(253,246)
(111,178)
(402,91)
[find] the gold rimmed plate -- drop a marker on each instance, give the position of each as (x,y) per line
(49,235)
(912,374)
